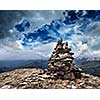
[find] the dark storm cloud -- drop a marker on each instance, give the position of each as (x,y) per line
(8,18)
(10,46)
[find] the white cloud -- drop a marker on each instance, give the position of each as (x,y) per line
(15,50)
(10,49)
(92,45)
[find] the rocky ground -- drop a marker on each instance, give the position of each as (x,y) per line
(33,79)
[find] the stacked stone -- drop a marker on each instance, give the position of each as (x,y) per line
(61,63)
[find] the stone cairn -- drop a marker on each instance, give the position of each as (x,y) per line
(60,64)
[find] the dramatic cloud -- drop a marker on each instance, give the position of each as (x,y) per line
(33,34)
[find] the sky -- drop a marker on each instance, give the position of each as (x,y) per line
(33,34)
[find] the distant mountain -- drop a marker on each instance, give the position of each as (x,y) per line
(85,59)
(90,67)
(78,61)
(8,65)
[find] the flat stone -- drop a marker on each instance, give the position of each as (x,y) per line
(94,78)
(6,87)
(68,86)
(98,87)
(24,83)
(73,87)
(41,79)
(87,75)
(81,84)
(28,79)
(45,76)
(89,87)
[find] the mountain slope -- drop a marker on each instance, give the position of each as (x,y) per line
(91,67)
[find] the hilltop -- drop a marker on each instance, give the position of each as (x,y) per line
(33,79)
